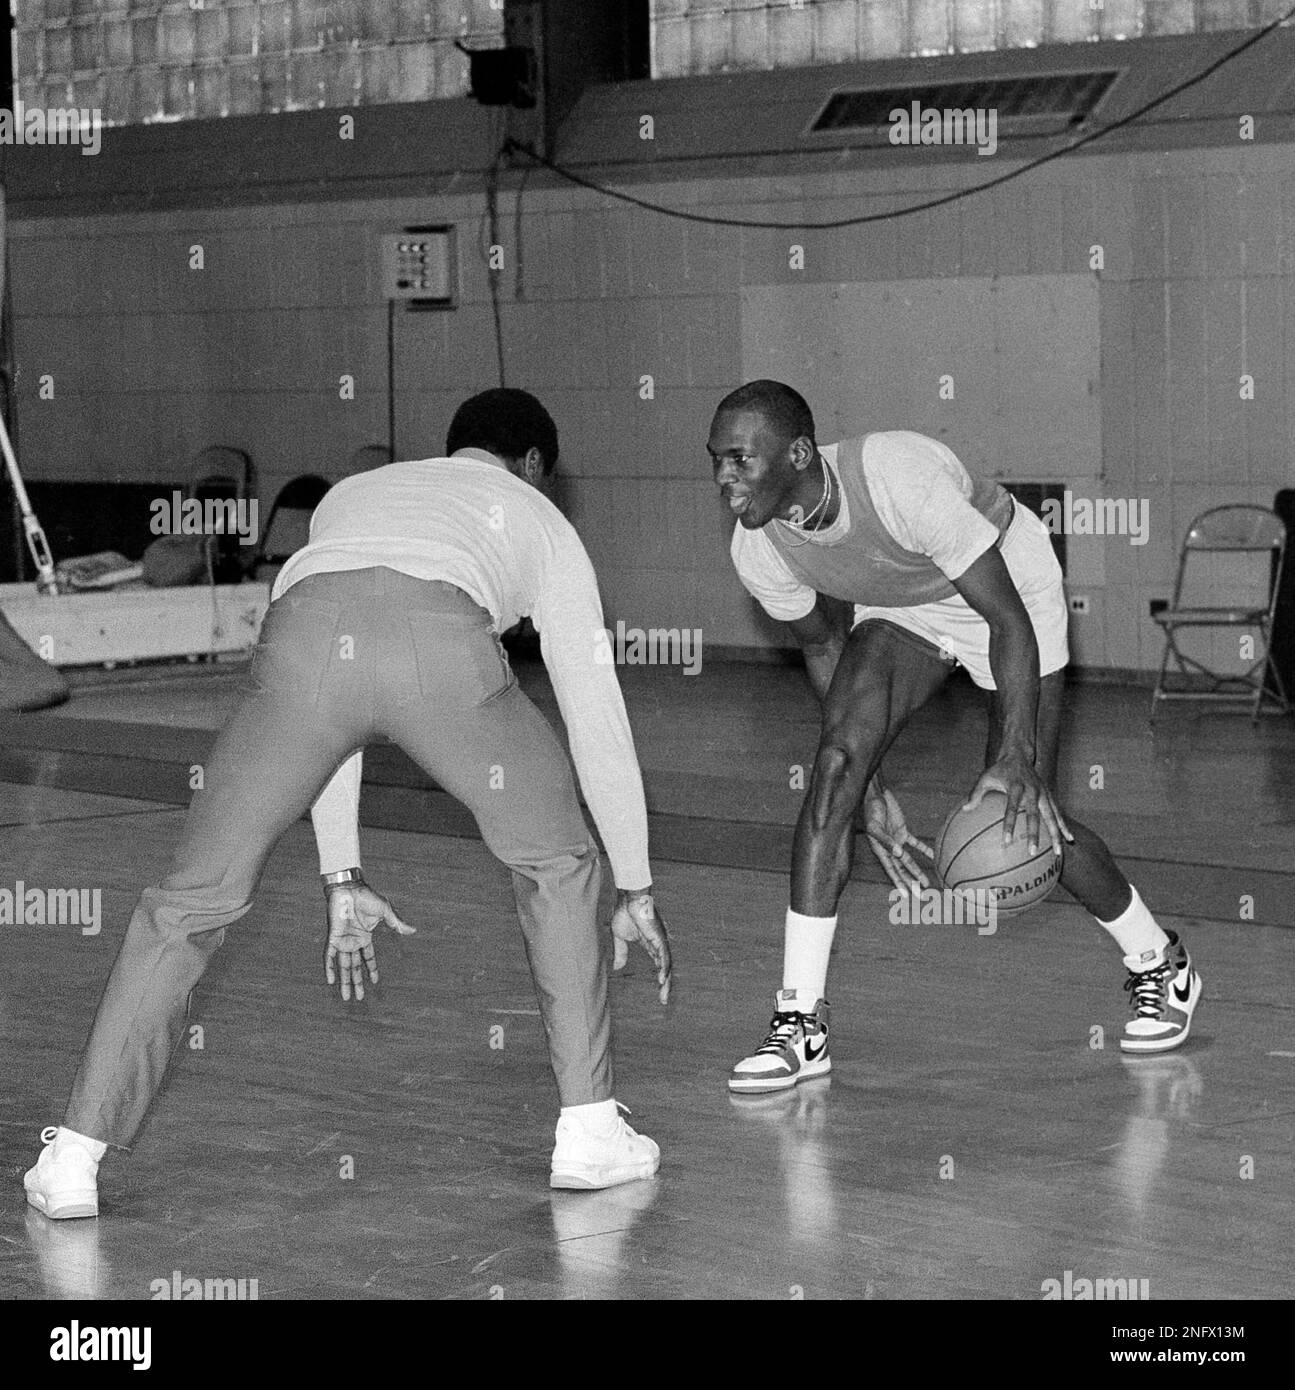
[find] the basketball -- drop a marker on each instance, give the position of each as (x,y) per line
(970,853)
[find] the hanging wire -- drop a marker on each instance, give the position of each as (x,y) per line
(489,234)
(511,146)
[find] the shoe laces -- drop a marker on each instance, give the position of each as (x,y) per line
(1146,990)
(782,1029)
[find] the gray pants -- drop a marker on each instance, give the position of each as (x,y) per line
(343,658)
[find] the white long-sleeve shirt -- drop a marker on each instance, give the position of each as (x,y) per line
(468,521)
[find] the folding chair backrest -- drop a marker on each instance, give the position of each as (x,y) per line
(1237,527)
(287,528)
(1229,558)
(221,471)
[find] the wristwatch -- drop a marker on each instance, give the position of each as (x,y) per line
(342,877)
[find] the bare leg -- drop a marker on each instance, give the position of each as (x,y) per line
(882,678)
(1090,874)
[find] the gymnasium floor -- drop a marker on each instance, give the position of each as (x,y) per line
(972,1141)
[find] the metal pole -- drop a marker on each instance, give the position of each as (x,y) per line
(36,542)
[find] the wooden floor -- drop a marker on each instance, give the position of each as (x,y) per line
(972,1141)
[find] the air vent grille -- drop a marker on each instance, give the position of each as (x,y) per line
(1060,99)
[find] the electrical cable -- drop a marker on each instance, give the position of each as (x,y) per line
(511,146)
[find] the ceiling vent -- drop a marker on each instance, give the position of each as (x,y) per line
(1040,105)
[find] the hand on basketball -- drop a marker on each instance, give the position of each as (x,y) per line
(1026,793)
(355,912)
(636,919)
(889,837)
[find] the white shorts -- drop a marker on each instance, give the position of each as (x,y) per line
(961,635)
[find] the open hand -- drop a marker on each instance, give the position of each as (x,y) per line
(355,912)
(889,836)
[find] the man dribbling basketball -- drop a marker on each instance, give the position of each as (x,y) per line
(941,568)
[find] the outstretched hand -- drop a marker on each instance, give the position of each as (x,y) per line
(636,919)
(355,912)
(889,836)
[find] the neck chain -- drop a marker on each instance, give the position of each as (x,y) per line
(821,507)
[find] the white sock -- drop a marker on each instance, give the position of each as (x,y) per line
(598,1117)
(96,1147)
(807,948)
(1139,935)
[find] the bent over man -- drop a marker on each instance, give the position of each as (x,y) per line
(386,624)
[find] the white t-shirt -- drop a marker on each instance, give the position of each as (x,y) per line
(920,491)
(468,521)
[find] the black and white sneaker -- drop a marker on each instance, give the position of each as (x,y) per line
(795,1049)
(1164,989)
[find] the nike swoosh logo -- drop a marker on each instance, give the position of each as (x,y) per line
(812,1056)
(1181,995)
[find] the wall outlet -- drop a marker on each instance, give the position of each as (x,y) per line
(1079,603)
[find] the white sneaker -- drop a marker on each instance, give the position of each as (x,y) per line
(795,1049)
(585,1158)
(65,1181)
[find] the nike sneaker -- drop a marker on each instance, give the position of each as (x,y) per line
(1164,990)
(795,1049)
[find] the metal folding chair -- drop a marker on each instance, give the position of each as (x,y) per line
(288,526)
(222,473)
(1218,595)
